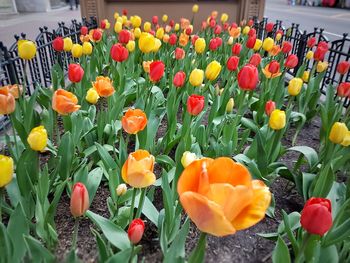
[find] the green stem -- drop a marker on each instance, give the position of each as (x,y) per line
(132,253)
(14,135)
(141,202)
(198,254)
(1,198)
(131,215)
(75,233)
(300,255)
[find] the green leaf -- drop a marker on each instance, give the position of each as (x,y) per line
(281,252)
(66,152)
(337,234)
(123,256)
(324,182)
(309,153)
(149,210)
(37,252)
(198,254)
(107,160)
(91,181)
(329,255)
(6,246)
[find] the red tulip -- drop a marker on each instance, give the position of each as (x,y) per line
(291,61)
(125,12)
(343,67)
(270,106)
(79,201)
(103,24)
(213,44)
(255,59)
(218,41)
(311,42)
(252,32)
(156,70)
(286,47)
(84,30)
(179,79)
(172,23)
(234,25)
(188,31)
(135,230)
(226,26)
(179,53)
(172,39)
(251,42)
(236,49)
(279,31)
(75,73)
(232,63)
(269,27)
(193,39)
(217,30)
(152,32)
(97,35)
(212,23)
(248,77)
(195,104)
(119,53)
(58,44)
(316,217)
(155,20)
(274,67)
(343,89)
(250,22)
(321,51)
(124,36)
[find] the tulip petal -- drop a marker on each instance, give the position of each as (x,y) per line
(141,179)
(255,212)
(207,215)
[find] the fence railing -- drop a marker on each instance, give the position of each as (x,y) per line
(38,70)
(339,49)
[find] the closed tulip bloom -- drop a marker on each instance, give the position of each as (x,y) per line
(232,63)
(183,39)
(220,196)
(338,132)
(316,216)
(165,18)
(26,49)
(269,27)
(79,201)
(346,141)
(343,89)
(118,27)
(137,170)
(187,158)
(77,51)
(236,49)
(255,59)
(121,189)
(156,70)
(195,104)
(7,101)
(14,89)
(199,45)
(251,42)
(343,67)
(224,17)
(119,53)
(87,48)
(147,26)
(166,38)
(135,231)
(320,53)
(196,77)
(134,120)
(179,79)
(217,30)
(124,36)
(64,102)
(294,86)
(274,66)
(248,77)
(213,70)
(84,30)
(130,46)
(275,50)
(103,86)
(136,21)
(321,66)
(160,33)
(286,47)
(230,41)
(37,138)
(257,45)
(75,73)
(146,42)
(306,76)
(155,20)
(195,8)
(58,44)
(179,53)
(6,171)
(277,120)
(105,24)
(270,106)
(291,61)
(268,44)
(311,42)
(67,44)
(96,35)
(146,65)
(172,39)
(230,104)
(246,30)
(92,96)
(213,44)
(157,45)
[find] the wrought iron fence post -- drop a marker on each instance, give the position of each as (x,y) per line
(9,66)
(301,50)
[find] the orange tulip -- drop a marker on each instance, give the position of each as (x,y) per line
(7,101)
(235,32)
(275,50)
(220,196)
(64,102)
(183,39)
(270,75)
(134,120)
(15,90)
(137,170)
(103,86)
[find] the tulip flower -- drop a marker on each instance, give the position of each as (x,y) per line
(7,101)
(235,32)
(95,35)
(92,96)
(75,73)
(103,86)
(130,46)
(199,45)
(257,45)
(77,51)
(137,170)
(67,44)
(6,171)
(309,55)
(172,39)
(58,44)
(146,65)
(118,27)
(179,53)
(124,36)
(155,20)
(272,70)
(135,230)
(195,8)
(229,106)
(134,120)
(157,45)
(270,106)
(213,70)
(146,42)
(236,49)
(79,202)
(179,79)
(311,42)
(268,44)
(37,138)
(166,38)
(294,86)
(269,27)
(14,89)
(338,132)
(343,67)
(187,158)
(277,120)
(156,71)
(136,21)
(321,66)
(248,77)
(291,61)
(195,104)
(165,18)
(251,42)
(306,76)
(220,196)
(246,30)
(183,40)
(217,30)
(346,141)
(255,59)
(26,49)
(84,30)
(343,89)
(196,77)
(64,102)
(316,216)
(275,50)
(121,189)
(286,47)
(232,63)
(87,48)
(105,24)
(119,53)
(224,17)
(321,51)
(160,33)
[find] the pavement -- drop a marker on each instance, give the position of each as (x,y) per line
(29,23)
(335,21)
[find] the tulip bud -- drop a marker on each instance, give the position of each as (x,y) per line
(136,21)
(294,86)
(343,89)
(160,33)
(257,45)
(255,59)
(338,132)
(248,77)
(121,189)
(232,63)
(165,18)
(58,44)
(230,41)
(6,171)
(236,49)
(147,26)
(118,26)
(291,61)
(67,44)
(188,158)
(195,8)
(268,44)
(229,106)
(199,45)
(79,201)
(92,96)
(343,67)
(269,27)
(277,120)
(311,42)
(195,104)
(130,46)
(119,53)
(84,30)
(7,101)
(286,47)
(156,70)
(251,42)
(179,79)
(213,70)
(124,36)
(75,73)
(270,106)
(135,231)
(26,49)
(37,138)
(274,67)
(306,76)
(87,48)
(321,66)
(77,51)
(196,77)
(147,42)
(179,53)
(309,55)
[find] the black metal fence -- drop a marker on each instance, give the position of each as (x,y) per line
(339,49)
(38,69)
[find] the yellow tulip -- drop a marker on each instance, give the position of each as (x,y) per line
(136,21)
(121,189)
(177,27)
(166,38)
(258,44)
(195,8)
(230,41)
(268,44)
(77,51)
(294,86)
(278,37)
(37,138)
(6,171)
(118,27)
(309,55)
(277,120)
(120,20)
(147,42)
(92,96)
(137,32)
(87,48)
(246,30)
(230,104)
(157,45)
(338,132)
(124,19)
(147,26)
(160,33)
(306,76)
(199,45)
(188,158)
(224,17)
(146,65)
(346,140)
(196,77)
(67,44)
(213,70)
(321,66)
(131,45)
(116,15)
(26,49)
(164,18)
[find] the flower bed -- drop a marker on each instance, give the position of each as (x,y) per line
(166,144)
